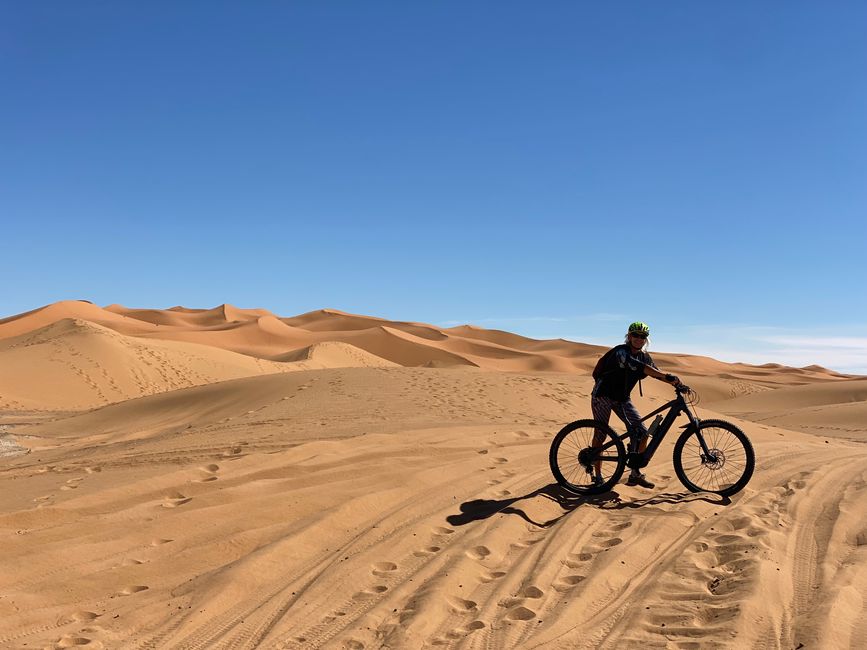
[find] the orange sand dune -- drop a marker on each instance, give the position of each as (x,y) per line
(333,354)
(265,337)
(181,316)
(80,309)
(260,334)
(837,409)
(75,364)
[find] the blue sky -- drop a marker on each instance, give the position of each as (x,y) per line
(555,169)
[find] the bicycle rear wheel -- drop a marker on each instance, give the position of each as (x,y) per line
(726,470)
(574,459)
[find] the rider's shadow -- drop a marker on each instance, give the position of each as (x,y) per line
(479,509)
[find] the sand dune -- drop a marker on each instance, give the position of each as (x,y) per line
(362,500)
(333,354)
(76,309)
(837,409)
(75,364)
(183,317)
(260,334)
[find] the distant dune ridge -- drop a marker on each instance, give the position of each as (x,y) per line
(98,355)
(231,478)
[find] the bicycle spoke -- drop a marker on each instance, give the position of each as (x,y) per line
(578,460)
(727,463)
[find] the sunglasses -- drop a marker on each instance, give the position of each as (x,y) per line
(638,335)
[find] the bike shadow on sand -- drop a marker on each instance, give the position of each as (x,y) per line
(479,509)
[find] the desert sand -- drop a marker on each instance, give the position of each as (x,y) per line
(229,478)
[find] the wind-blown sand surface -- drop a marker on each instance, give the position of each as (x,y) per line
(228,478)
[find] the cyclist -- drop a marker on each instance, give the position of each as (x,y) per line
(616,374)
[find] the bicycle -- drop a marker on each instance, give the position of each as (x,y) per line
(709,456)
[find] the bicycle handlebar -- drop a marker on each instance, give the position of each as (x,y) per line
(683,388)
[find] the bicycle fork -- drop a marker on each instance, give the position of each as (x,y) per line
(707,456)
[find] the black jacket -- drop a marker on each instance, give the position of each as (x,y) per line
(618,371)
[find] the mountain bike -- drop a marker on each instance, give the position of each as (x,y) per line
(588,457)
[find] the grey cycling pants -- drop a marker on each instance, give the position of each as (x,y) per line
(626,411)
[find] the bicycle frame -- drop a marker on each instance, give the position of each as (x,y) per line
(677,406)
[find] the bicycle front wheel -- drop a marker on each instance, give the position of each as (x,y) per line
(725,470)
(587,457)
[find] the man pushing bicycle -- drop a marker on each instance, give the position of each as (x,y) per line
(616,374)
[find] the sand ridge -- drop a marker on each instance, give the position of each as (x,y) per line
(166,349)
(360,502)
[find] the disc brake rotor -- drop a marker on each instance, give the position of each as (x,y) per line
(716,460)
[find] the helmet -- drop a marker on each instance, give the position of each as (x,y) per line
(639,326)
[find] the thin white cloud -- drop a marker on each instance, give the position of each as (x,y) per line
(758,345)
(732,343)
(821,342)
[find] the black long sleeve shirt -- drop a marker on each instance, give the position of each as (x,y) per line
(618,371)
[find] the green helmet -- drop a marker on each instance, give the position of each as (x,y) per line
(639,326)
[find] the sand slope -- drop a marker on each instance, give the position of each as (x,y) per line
(382,506)
(837,409)
(408,507)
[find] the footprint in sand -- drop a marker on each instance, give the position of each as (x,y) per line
(478,552)
(209,472)
(367,594)
(69,641)
(383,568)
(160,542)
(460,605)
(532,592)
(614,541)
(442,530)
(131,562)
(71,484)
(466,630)
(84,616)
(175,499)
(500,461)
(502,493)
(132,589)
(568,582)
(520,614)
(461,632)
(427,551)
(490,576)
(575,560)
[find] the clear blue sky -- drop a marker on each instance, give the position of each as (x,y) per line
(554,169)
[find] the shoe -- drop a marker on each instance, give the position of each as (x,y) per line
(597,481)
(639,479)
